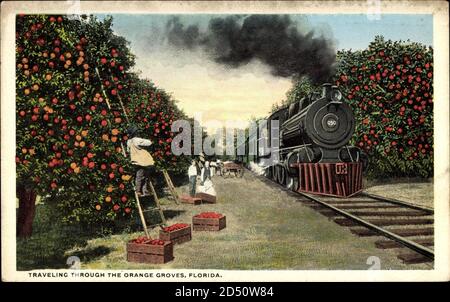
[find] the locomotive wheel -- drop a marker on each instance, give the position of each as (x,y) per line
(292,183)
(295,184)
(281,175)
(274,174)
(267,173)
(289,182)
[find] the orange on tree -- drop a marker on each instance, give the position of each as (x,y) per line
(388,88)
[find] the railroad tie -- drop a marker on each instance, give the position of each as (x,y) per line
(390,244)
(347,201)
(331,213)
(401,232)
(413,258)
(360,206)
(386,222)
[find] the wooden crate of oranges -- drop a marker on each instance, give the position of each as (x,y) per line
(144,250)
(177,233)
(208,221)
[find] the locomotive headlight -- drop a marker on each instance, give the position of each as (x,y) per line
(336,95)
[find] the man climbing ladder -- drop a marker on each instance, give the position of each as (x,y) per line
(141,159)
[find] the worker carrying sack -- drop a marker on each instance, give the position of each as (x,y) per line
(136,147)
(140,156)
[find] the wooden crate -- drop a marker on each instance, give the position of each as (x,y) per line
(148,253)
(208,224)
(177,236)
(206,198)
(191,200)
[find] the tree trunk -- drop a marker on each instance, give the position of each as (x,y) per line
(27,209)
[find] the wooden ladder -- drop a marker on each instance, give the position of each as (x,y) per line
(171,187)
(169,183)
(156,208)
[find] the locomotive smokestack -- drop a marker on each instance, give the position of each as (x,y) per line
(326,91)
(274,40)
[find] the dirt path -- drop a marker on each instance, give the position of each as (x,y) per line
(266,229)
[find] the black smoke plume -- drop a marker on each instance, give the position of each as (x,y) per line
(272,39)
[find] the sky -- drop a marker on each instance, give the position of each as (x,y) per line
(224,96)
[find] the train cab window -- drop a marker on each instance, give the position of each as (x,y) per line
(293,109)
(303,103)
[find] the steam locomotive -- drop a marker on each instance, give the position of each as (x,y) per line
(311,146)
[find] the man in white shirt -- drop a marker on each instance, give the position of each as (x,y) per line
(219,167)
(213,167)
(192,173)
(141,159)
(206,189)
(205,173)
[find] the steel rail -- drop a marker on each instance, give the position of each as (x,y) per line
(423,250)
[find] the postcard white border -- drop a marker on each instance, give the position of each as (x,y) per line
(439,9)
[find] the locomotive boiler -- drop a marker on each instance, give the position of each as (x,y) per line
(313,154)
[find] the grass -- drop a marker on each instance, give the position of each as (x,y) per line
(266,229)
(50,241)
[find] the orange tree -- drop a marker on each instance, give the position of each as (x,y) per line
(390,88)
(153,111)
(69,140)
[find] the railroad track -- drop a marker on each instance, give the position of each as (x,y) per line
(403,225)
